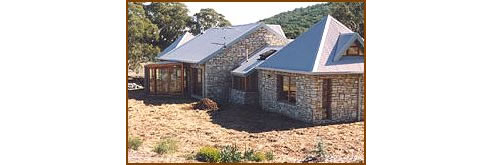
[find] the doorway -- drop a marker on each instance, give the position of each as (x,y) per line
(327,100)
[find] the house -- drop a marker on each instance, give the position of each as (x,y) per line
(201,67)
(316,78)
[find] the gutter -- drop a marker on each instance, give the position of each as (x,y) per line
(308,72)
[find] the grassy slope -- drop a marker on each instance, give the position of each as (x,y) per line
(299,20)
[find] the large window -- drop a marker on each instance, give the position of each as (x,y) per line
(355,49)
(287,89)
(165,79)
(247,84)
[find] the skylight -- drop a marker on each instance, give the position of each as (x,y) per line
(265,55)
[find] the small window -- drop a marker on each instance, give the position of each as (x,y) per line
(287,89)
(355,49)
(247,84)
(238,83)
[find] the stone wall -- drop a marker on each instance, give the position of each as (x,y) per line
(217,70)
(309,97)
(241,97)
(308,88)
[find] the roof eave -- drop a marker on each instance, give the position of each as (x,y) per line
(308,73)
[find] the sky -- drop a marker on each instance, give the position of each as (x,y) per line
(246,12)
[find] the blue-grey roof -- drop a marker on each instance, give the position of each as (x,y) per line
(211,42)
(248,66)
(344,42)
(299,54)
(178,42)
(313,52)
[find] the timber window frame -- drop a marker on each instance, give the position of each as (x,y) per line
(245,84)
(355,49)
(286,88)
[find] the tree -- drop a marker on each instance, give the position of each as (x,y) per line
(351,14)
(171,18)
(141,34)
(206,19)
(299,20)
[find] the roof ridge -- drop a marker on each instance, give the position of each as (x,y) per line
(322,42)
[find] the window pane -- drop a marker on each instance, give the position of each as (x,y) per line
(293,90)
(353,51)
(282,93)
(285,83)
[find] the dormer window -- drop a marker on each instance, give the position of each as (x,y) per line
(355,50)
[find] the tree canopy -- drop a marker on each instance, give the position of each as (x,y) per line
(206,19)
(141,34)
(299,20)
(153,27)
(171,18)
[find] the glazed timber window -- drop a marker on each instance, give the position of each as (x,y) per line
(355,49)
(239,83)
(246,84)
(165,79)
(287,89)
(197,78)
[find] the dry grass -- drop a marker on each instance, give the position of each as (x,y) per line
(153,119)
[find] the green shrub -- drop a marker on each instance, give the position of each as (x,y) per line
(248,154)
(320,150)
(269,155)
(259,156)
(165,146)
(134,143)
(208,154)
(230,154)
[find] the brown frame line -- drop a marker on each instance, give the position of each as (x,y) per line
(365,52)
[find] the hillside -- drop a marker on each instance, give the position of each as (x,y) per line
(299,20)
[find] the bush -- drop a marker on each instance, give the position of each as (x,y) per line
(320,150)
(134,143)
(269,155)
(206,104)
(165,146)
(230,154)
(259,156)
(251,155)
(248,154)
(208,154)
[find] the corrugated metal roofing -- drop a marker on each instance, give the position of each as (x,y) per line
(212,41)
(247,67)
(312,51)
(178,42)
(208,43)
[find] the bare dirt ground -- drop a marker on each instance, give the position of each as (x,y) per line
(151,119)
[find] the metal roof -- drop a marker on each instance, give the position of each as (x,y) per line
(178,42)
(247,67)
(313,51)
(211,42)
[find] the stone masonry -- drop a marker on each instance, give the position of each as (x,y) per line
(309,98)
(217,70)
(241,97)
